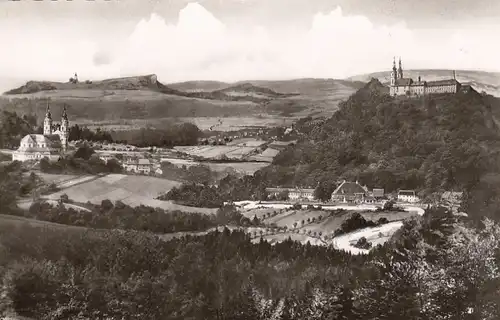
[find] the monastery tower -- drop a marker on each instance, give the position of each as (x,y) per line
(64,130)
(47,122)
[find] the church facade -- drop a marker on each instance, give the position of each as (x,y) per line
(401,86)
(51,144)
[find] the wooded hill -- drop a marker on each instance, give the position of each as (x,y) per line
(433,143)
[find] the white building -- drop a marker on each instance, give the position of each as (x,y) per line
(143,166)
(401,86)
(408,196)
(349,192)
(301,194)
(51,144)
(294,194)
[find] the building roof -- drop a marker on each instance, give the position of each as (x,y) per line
(302,190)
(144,162)
(276,189)
(289,190)
(348,188)
(406,193)
(50,142)
(403,82)
(378,192)
(437,83)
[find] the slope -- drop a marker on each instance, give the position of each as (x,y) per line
(134,101)
(430,144)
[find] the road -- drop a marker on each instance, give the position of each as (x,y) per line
(363,207)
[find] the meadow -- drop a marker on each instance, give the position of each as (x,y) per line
(133,190)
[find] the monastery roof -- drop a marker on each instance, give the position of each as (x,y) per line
(38,139)
(349,188)
(448,82)
(404,81)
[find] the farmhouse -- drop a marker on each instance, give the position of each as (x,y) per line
(293,193)
(349,192)
(301,194)
(143,166)
(378,193)
(51,144)
(408,196)
(401,86)
(106,157)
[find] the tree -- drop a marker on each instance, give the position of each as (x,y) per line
(322,192)
(283,195)
(64,198)
(84,152)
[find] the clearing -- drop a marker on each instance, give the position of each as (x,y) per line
(133,190)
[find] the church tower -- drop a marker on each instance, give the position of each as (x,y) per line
(47,122)
(64,129)
(400,70)
(394,74)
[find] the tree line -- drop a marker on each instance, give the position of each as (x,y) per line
(73,274)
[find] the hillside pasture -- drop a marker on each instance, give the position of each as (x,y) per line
(266,156)
(241,168)
(231,123)
(280,237)
(330,222)
(131,190)
(247,142)
(53,178)
(215,152)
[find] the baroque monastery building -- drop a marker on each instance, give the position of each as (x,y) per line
(400,85)
(51,144)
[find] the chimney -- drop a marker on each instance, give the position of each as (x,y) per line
(419,79)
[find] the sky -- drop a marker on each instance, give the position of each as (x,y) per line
(232,40)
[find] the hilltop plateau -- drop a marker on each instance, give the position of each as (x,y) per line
(488,82)
(134,101)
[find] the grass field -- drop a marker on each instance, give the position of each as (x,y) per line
(131,190)
(216,152)
(325,226)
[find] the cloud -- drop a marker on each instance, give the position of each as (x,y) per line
(199,46)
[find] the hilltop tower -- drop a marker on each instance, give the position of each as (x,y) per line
(64,129)
(394,74)
(47,122)
(400,70)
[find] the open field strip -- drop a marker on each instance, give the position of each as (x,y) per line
(375,235)
(134,190)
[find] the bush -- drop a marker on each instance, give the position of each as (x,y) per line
(382,221)
(355,222)
(362,243)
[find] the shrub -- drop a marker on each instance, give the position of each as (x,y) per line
(363,244)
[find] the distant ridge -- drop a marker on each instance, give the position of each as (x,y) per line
(239,92)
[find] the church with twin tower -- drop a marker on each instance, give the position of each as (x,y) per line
(401,86)
(52,144)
